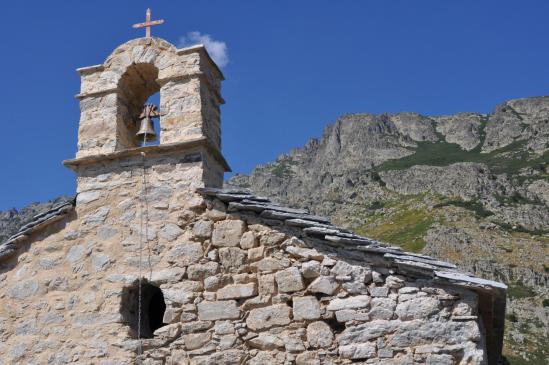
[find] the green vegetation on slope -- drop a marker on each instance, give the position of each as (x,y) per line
(509,159)
(474,206)
(404,222)
(518,290)
(283,168)
(535,347)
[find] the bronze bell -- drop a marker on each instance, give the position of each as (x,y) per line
(146,131)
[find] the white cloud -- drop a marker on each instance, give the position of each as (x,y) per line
(216,49)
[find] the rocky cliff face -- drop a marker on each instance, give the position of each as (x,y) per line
(469,188)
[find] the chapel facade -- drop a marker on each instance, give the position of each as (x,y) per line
(155,263)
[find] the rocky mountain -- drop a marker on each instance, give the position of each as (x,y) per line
(469,188)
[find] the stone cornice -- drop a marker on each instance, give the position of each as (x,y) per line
(201,48)
(162,149)
(96,93)
(90,69)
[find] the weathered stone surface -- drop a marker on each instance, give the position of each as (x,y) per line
(256,253)
(232,257)
(319,334)
(270,264)
(202,271)
(263,318)
(425,332)
(75,253)
(228,233)
(194,341)
(167,275)
(99,261)
(183,292)
(346,315)
(185,253)
(171,315)
(304,253)
(237,291)
(307,358)
(266,341)
(289,280)
(105,233)
(306,308)
(310,269)
(442,359)
(266,284)
(211,311)
(170,232)
(169,332)
(379,291)
(203,229)
(323,284)
(359,301)
(394,282)
(196,326)
(87,197)
(382,308)
(416,308)
(97,217)
(224,328)
(358,351)
(228,357)
(272,238)
(248,240)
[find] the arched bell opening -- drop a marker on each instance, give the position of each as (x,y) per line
(136,86)
(153,308)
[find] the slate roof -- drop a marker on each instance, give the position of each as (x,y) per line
(240,200)
(9,247)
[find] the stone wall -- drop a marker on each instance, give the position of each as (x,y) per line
(237,291)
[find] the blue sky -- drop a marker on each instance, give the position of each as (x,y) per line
(294,66)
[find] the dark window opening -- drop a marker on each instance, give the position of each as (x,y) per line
(153,307)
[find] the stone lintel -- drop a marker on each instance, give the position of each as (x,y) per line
(203,142)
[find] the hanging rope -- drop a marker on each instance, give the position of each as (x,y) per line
(143,238)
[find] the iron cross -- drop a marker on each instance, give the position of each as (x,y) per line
(148,24)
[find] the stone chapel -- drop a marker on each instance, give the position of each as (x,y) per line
(155,263)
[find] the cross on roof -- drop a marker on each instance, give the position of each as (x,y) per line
(148,24)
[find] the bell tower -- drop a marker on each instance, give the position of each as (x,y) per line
(112,102)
